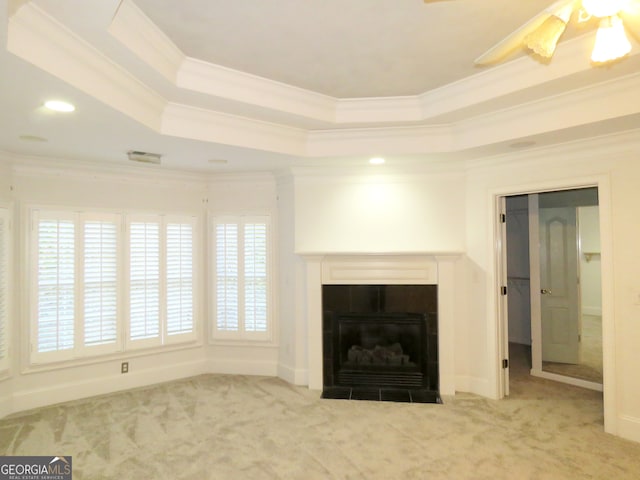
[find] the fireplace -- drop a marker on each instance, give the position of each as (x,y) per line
(380,342)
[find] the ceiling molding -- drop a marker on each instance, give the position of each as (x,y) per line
(598,148)
(140,35)
(196,75)
(614,98)
(38,38)
(27,166)
(223,82)
(200,124)
(379,110)
(378,141)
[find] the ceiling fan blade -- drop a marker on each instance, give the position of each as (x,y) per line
(515,39)
(631,19)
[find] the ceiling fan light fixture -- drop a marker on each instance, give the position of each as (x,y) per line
(611,41)
(544,39)
(604,8)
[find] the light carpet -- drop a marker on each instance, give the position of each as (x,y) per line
(240,427)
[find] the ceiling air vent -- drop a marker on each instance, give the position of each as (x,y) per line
(144,157)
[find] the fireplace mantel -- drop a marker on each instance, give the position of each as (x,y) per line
(349,269)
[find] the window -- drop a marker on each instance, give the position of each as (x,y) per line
(76,288)
(4,289)
(81,294)
(161,279)
(241,278)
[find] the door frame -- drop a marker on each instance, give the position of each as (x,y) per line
(501,325)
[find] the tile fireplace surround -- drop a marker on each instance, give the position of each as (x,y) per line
(382,270)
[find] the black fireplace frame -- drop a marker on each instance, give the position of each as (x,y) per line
(367,308)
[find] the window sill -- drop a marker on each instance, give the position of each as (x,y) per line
(122,355)
(243,342)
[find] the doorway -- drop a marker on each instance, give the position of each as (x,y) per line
(553,279)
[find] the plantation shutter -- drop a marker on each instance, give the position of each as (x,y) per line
(179,277)
(241,279)
(144,280)
(4,285)
(255,277)
(100,282)
(227,277)
(55,284)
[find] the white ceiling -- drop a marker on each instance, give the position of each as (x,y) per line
(413,59)
(354,48)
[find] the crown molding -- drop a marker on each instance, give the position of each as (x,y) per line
(600,148)
(196,75)
(140,35)
(35,36)
(371,141)
(615,98)
(205,77)
(255,178)
(31,166)
(38,38)
(379,110)
(200,124)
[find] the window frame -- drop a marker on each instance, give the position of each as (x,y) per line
(7,267)
(163,338)
(242,335)
(81,353)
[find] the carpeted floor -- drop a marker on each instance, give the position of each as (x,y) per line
(238,427)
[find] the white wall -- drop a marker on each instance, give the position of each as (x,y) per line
(374,212)
(590,278)
(427,212)
(613,165)
(137,189)
(292,360)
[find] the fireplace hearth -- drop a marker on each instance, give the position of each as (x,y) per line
(380,343)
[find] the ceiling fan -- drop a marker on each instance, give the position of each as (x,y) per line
(542,32)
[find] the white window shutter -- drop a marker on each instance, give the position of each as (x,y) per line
(255,277)
(55,284)
(144,280)
(179,278)
(241,278)
(227,277)
(100,282)
(4,285)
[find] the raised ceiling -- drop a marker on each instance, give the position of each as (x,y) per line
(243,85)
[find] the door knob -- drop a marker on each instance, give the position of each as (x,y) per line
(544,291)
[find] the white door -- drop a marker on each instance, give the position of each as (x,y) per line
(560,301)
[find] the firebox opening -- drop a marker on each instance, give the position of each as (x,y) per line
(380,342)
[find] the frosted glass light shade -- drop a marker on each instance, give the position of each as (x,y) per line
(604,8)
(544,39)
(611,40)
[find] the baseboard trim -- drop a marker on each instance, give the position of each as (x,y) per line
(568,380)
(243,367)
(629,427)
(6,405)
(595,311)
(29,399)
(475,385)
(292,375)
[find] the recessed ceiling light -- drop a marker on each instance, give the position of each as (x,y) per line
(376,161)
(217,161)
(59,106)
